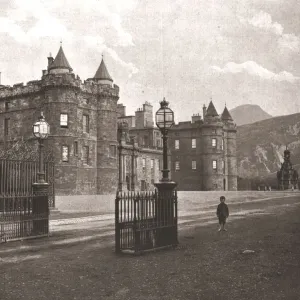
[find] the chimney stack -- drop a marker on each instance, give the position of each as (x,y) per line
(50,60)
(204,111)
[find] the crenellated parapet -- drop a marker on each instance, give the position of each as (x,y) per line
(17,90)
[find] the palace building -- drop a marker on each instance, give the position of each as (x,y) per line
(97,149)
(203,152)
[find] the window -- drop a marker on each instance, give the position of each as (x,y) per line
(63,120)
(86,101)
(86,127)
(193,143)
(158,143)
(86,155)
(146,143)
(158,164)
(193,165)
(176,144)
(152,181)
(223,166)
(76,148)
(214,164)
(65,153)
(152,164)
(144,163)
(6,126)
(177,166)
(113,150)
(7,105)
(214,143)
(214,131)
(222,145)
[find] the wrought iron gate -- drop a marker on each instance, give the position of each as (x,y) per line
(145,221)
(23,213)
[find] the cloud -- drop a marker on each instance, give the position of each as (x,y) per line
(45,25)
(97,42)
(264,21)
(255,69)
(12,29)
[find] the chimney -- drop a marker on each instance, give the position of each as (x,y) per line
(204,111)
(196,118)
(50,60)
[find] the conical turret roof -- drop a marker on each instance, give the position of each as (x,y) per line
(211,110)
(102,73)
(226,115)
(60,61)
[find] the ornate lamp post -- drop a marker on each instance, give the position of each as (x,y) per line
(41,130)
(164,120)
(166,206)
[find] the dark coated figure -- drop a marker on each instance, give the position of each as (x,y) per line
(222,213)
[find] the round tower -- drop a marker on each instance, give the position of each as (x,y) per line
(230,160)
(212,153)
(107,142)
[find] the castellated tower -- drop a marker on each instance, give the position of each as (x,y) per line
(83,124)
(212,150)
(107,115)
(229,151)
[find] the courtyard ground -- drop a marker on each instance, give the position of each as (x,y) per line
(78,261)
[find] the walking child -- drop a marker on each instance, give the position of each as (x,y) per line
(222,213)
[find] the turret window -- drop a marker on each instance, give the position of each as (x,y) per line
(194,165)
(6,126)
(86,123)
(7,105)
(214,164)
(85,155)
(63,120)
(75,148)
(193,143)
(65,153)
(177,144)
(144,163)
(214,143)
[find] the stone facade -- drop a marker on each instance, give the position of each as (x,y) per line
(203,152)
(83,125)
(140,150)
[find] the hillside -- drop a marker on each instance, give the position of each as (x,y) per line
(260,145)
(248,113)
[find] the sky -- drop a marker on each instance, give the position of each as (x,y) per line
(231,51)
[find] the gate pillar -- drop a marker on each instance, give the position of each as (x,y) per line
(40,209)
(166,214)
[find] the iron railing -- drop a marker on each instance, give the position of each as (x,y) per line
(17,177)
(145,221)
(24,212)
(23,216)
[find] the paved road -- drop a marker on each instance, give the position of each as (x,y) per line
(68,231)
